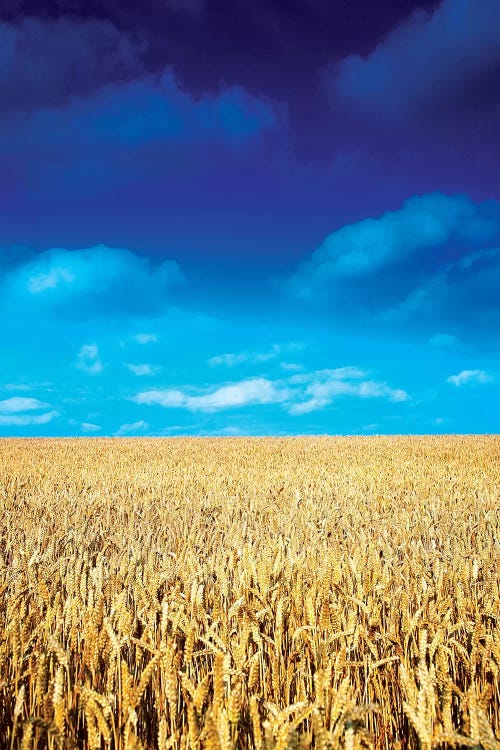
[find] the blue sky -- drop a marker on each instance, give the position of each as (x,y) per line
(284,226)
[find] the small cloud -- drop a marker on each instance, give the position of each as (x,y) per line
(327,385)
(88,359)
(145,338)
(128,429)
(18,403)
(442,340)
(469,376)
(230,360)
(90,427)
(46,386)
(144,369)
(26,420)
(291,366)
(338,373)
(244,393)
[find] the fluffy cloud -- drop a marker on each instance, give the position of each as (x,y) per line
(150,112)
(27,420)
(366,247)
(470,284)
(119,121)
(90,282)
(428,69)
(12,412)
(245,393)
(18,403)
(299,394)
(432,257)
(327,385)
(88,359)
(469,376)
(31,75)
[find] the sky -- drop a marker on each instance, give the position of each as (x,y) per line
(266,218)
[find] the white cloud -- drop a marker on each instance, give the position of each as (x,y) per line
(88,359)
(469,376)
(299,394)
(144,369)
(25,420)
(18,403)
(327,385)
(90,427)
(146,338)
(50,279)
(291,366)
(442,340)
(228,359)
(127,429)
(232,359)
(338,373)
(244,393)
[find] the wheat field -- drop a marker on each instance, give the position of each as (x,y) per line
(250,593)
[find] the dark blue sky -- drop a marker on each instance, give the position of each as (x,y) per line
(249,218)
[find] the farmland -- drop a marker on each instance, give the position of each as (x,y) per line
(250,593)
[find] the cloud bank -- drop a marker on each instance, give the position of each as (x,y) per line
(435,255)
(299,394)
(467,377)
(31,73)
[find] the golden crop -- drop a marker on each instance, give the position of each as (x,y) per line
(250,593)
